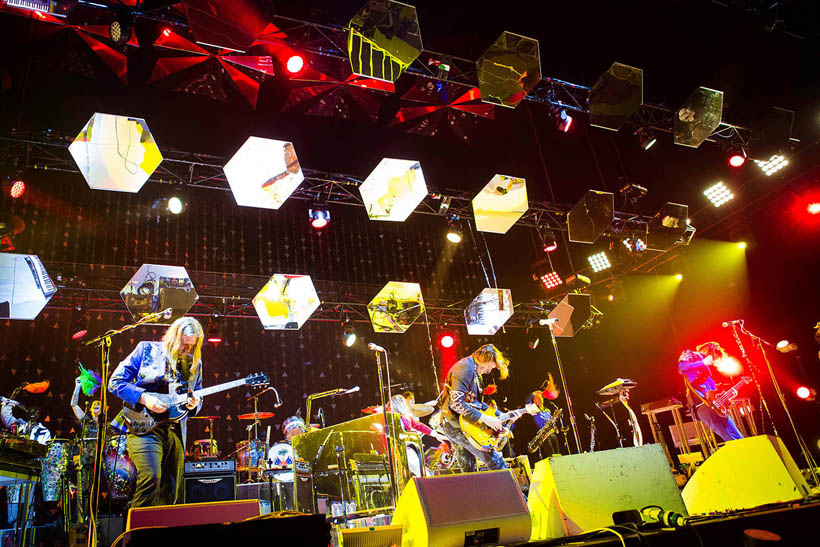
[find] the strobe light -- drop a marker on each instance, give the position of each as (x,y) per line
(772,165)
(718,194)
(550,280)
(599,262)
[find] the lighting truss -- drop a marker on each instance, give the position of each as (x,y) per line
(718,194)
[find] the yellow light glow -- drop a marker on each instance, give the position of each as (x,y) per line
(679,277)
(741,245)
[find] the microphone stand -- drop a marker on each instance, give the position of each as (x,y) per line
(104,343)
(800,442)
(313,396)
(388,436)
(764,406)
(566,392)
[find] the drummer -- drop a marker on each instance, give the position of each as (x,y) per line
(404,405)
(294,426)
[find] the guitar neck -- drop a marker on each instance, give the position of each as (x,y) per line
(220,387)
(513,414)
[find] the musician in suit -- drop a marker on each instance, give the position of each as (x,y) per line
(159,454)
(695,368)
(462,397)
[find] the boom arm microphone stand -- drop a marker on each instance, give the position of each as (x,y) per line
(801,443)
(763,404)
(388,436)
(104,343)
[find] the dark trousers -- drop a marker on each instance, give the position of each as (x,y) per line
(493,459)
(159,457)
(722,425)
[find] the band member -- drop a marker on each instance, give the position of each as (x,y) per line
(29,427)
(403,405)
(461,393)
(294,426)
(695,368)
(159,454)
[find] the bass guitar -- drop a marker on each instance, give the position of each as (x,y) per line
(721,402)
(487,439)
(140,420)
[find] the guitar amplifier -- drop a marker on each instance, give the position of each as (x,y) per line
(303,487)
(208,481)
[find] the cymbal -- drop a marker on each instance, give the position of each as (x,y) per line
(422,410)
(204,417)
(372,410)
(256,416)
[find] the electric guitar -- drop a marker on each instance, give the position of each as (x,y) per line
(140,420)
(720,402)
(485,438)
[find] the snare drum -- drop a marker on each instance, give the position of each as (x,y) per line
(54,468)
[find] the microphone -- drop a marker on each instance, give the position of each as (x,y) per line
(351,390)
(278,402)
(321,416)
(548,321)
(733,322)
(655,513)
(374,347)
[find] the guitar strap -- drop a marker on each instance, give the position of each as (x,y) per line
(692,391)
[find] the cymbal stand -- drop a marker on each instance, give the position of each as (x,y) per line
(800,442)
(613,421)
(104,343)
(572,421)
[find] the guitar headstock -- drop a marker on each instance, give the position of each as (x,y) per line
(532,408)
(257,379)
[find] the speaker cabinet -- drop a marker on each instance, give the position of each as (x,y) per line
(374,536)
(303,492)
(206,488)
(745,473)
(485,508)
(192,514)
(572,494)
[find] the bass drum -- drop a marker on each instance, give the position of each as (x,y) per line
(119,473)
(54,468)
(280,456)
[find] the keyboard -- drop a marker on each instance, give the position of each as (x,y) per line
(41,277)
(37,5)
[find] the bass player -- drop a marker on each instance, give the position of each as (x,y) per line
(159,454)
(696,371)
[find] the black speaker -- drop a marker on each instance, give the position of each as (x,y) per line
(205,488)
(303,490)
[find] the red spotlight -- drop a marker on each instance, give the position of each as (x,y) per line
(295,63)
(803,392)
(812,208)
(446,340)
(736,160)
(166,32)
(319,217)
(18,188)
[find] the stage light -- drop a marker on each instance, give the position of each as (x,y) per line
(678,277)
(166,32)
(813,208)
(611,298)
(175,205)
(446,340)
(120,28)
(348,334)
(599,262)
(319,217)
(17,189)
(646,138)
(772,165)
(295,63)
(454,233)
(804,393)
(79,329)
(634,244)
(551,280)
(741,245)
(533,341)
(728,366)
(784,346)
(548,241)
(718,194)
(737,157)
(563,121)
(213,332)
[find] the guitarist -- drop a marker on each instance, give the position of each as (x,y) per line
(159,454)
(461,394)
(695,368)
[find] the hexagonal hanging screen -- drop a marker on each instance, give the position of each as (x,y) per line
(115,153)
(500,204)
(509,70)
(286,302)
(155,288)
(489,311)
(699,115)
(393,190)
(25,286)
(615,96)
(383,39)
(263,173)
(395,307)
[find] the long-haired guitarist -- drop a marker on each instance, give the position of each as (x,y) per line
(462,390)
(159,454)
(695,368)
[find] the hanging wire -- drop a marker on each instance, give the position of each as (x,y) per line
(478,253)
